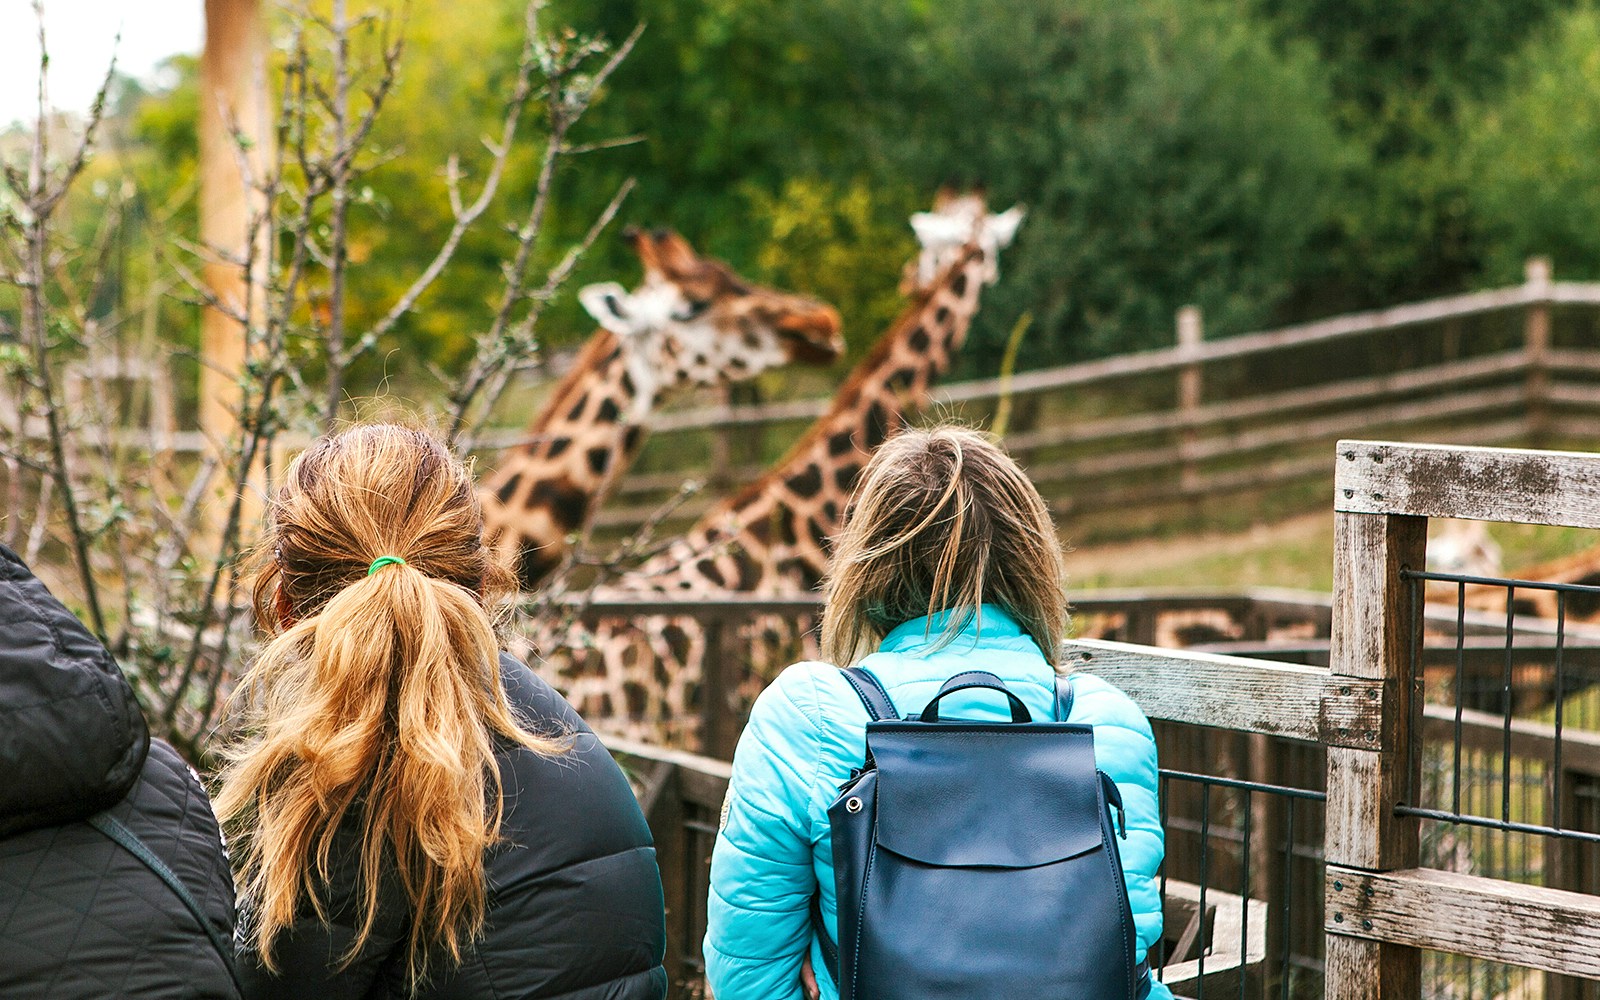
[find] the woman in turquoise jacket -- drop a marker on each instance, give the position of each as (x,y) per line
(948,562)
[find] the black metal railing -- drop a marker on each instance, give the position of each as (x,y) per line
(1505,776)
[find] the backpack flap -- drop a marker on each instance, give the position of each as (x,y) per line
(985,795)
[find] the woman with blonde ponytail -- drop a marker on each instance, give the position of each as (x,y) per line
(414,813)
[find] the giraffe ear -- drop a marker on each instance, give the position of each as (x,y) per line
(935,231)
(1003,227)
(608,302)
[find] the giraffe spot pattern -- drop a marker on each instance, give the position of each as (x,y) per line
(918,340)
(877,422)
(508,489)
(567,503)
(599,460)
(807,483)
(840,443)
(558,446)
(608,412)
(708,568)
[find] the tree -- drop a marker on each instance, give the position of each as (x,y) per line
(1530,153)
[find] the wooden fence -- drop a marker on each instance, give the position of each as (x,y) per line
(1364,713)
(1123,442)
(1164,431)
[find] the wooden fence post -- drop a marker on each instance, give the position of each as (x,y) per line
(1190,333)
(719,733)
(1536,344)
(1372,623)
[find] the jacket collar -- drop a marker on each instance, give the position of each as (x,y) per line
(990,622)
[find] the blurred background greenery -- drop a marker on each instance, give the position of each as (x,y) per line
(1268,160)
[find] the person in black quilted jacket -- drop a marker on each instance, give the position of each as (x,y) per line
(80,914)
(413,813)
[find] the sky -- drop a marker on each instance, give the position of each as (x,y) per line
(80,34)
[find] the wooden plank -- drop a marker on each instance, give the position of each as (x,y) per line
(1490,484)
(1171,358)
(724,607)
(1320,331)
(1372,624)
(1348,393)
(1371,640)
(1528,925)
(1479,657)
(682,759)
(1585,362)
(1255,696)
(1580,749)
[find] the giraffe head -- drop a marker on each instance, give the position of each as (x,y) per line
(693,321)
(959,221)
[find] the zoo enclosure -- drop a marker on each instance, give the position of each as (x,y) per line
(1380,907)
(1248,414)
(1254,413)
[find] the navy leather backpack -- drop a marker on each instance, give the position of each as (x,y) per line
(978,859)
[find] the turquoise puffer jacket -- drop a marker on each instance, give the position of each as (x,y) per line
(808,730)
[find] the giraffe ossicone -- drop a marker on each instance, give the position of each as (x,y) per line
(958,223)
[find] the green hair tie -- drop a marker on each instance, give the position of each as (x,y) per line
(382,561)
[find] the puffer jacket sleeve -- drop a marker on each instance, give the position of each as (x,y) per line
(762,879)
(1126,750)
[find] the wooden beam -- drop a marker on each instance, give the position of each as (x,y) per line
(1228,692)
(1372,628)
(1487,484)
(1529,925)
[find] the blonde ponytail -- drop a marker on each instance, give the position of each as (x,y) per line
(376,701)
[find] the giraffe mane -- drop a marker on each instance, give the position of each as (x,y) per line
(595,350)
(849,391)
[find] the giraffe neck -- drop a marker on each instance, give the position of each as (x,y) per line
(549,485)
(774,535)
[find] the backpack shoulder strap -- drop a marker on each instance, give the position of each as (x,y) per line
(1063,697)
(871,693)
(116,831)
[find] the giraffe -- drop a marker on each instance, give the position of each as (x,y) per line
(693,321)
(772,537)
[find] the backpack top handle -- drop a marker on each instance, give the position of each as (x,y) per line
(976,679)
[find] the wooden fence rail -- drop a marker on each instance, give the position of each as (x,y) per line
(1166,430)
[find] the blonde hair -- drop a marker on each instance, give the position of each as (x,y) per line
(377,696)
(942,520)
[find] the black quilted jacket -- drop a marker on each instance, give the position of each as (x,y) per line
(80,916)
(575,904)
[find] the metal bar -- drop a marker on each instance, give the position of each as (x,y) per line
(1461,660)
(1505,695)
(1259,786)
(1561,693)
(1288,897)
(1205,859)
(1488,823)
(1244,895)
(1501,581)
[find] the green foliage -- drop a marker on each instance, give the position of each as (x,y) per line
(1268,160)
(1403,75)
(1535,177)
(1156,173)
(832,242)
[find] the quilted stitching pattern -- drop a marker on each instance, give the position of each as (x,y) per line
(81,917)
